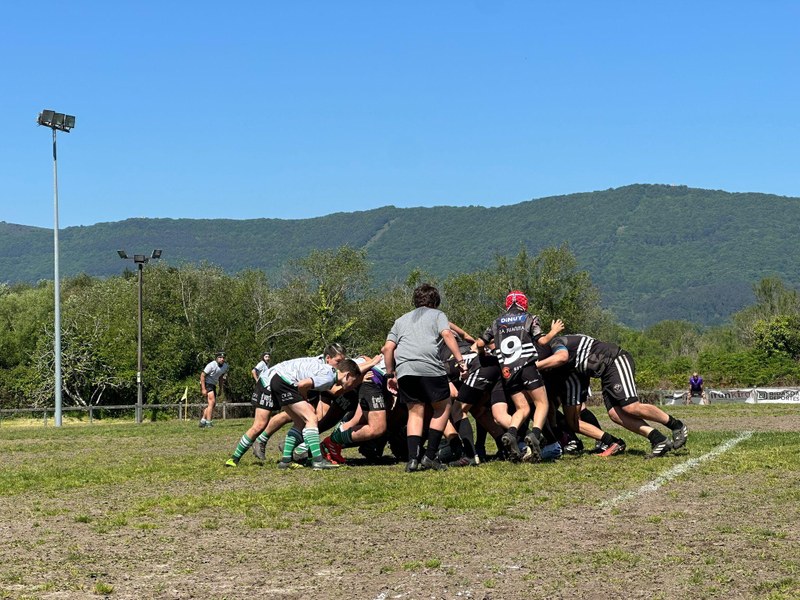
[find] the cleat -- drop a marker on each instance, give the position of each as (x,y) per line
(431,463)
(660,449)
(300,455)
(203,424)
(617,447)
(599,447)
(552,451)
(511,447)
(289,465)
(535,448)
(573,447)
(209,423)
(465,462)
(412,466)
(260,450)
(679,437)
(332,451)
(231,462)
(322,463)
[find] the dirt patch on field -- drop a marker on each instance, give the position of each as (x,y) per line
(719,535)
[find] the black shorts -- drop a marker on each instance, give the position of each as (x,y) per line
(480,380)
(345,402)
(568,389)
(498,394)
(262,398)
(211,388)
(527,378)
(694,393)
(371,397)
(284,393)
(413,389)
(618,381)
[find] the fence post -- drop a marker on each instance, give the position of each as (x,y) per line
(224,411)
(45,418)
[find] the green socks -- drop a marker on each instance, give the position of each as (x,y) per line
(293,437)
(311,436)
(342,437)
(242,447)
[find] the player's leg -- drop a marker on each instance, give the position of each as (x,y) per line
(260,422)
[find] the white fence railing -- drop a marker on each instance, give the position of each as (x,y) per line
(749,395)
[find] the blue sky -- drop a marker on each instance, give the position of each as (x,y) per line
(298,109)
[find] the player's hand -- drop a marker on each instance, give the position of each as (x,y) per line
(462,367)
(391,385)
(556,326)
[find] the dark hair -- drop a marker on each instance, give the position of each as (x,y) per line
(427,295)
(349,366)
(333,350)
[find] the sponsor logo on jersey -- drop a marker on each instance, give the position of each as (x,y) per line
(617,387)
(509,320)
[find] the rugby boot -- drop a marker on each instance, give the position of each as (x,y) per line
(679,436)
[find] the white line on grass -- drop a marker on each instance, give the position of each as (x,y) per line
(676,471)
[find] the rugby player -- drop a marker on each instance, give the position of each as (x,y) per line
(616,370)
(416,374)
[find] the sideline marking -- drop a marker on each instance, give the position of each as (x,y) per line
(676,471)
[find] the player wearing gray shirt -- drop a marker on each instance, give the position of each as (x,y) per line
(416,374)
(211,374)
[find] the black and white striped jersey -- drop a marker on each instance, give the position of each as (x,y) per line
(514,335)
(586,354)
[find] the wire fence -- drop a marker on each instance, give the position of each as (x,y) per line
(185,411)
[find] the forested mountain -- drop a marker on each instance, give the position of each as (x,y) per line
(655,251)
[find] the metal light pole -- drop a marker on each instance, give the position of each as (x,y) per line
(140,260)
(61,122)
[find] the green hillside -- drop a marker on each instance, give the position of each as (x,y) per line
(656,252)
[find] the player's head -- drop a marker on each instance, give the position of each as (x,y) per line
(427,295)
(348,373)
(265,357)
(334,354)
(518,298)
(220,357)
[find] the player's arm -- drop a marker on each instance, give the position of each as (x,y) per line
(255,373)
(388,359)
(304,386)
(368,363)
(203,383)
(558,358)
(556,327)
(464,335)
(452,345)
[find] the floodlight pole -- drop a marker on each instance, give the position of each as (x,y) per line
(140,260)
(54,120)
(139,382)
(57,289)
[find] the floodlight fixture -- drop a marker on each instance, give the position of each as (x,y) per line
(156,253)
(122,254)
(140,258)
(54,120)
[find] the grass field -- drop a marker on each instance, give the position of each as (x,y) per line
(149,511)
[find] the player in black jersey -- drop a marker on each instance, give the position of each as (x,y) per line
(514,335)
(569,389)
(615,369)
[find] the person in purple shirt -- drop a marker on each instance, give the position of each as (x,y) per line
(696,389)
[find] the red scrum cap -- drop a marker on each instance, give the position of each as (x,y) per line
(518,298)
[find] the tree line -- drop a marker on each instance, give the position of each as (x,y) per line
(193,310)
